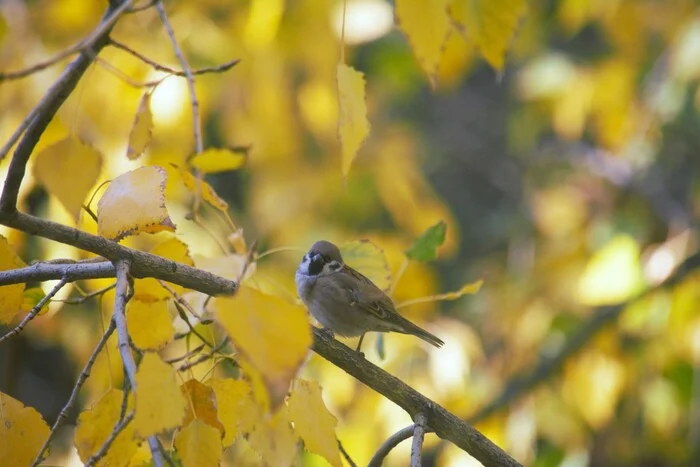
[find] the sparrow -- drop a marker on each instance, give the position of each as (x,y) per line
(346,302)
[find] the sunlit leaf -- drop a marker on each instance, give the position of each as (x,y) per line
(22,431)
(593,384)
(317,430)
(160,404)
(202,404)
(11,296)
(198,444)
(141,131)
(274,440)
(489,24)
(150,289)
(133,203)
(68,170)
(203,189)
(215,160)
(96,424)
(273,334)
(425,248)
(367,258)
(150,324)
(427,26)
(353,126)
(237,410)
(613,274)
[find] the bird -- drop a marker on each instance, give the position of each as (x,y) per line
(346,302)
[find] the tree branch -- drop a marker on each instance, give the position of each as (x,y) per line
(157,66)
(40,272)
(120,299)
(390,443)
(142,264)
(74,395)
(447,425)
(525,381)
(44,111)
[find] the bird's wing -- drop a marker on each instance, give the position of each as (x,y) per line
(363,293)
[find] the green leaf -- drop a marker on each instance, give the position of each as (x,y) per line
(425,248)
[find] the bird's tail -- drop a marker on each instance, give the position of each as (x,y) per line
(408,327)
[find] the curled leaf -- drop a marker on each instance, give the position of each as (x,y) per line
(142,130)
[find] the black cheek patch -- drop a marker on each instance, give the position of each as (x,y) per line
(315,265)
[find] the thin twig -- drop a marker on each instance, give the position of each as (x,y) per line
(345,454)
(126,78)
(84,375)
(196,121)
(186,356)
(390,443)
(145,6)
(84,298)
(120,300)
(118,428)
(35,311)
(80,46)
(207,356)
(35,123)
(418,435)
(181,304)
(249,259)
(157,66)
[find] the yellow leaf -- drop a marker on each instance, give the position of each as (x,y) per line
(68,170)
(215,160)
(427,26)
(238,411)
(141,132)
(22,432)
(96,424)
(593,383)
(198,445)
(468,289)
(11,296)
(202,404)
(313,423)
(150,324)
(353,126)
(159,403)
(489,24)
(134,202)
(203,189)
(273,334)
(229,266)
(613,274)
(368,258)
(149,289)
(274,440)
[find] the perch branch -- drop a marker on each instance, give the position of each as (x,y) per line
(447,425)
(76,390)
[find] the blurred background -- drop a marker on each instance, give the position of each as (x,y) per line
(568,181)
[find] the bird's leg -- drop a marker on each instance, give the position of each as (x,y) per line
(359,344)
